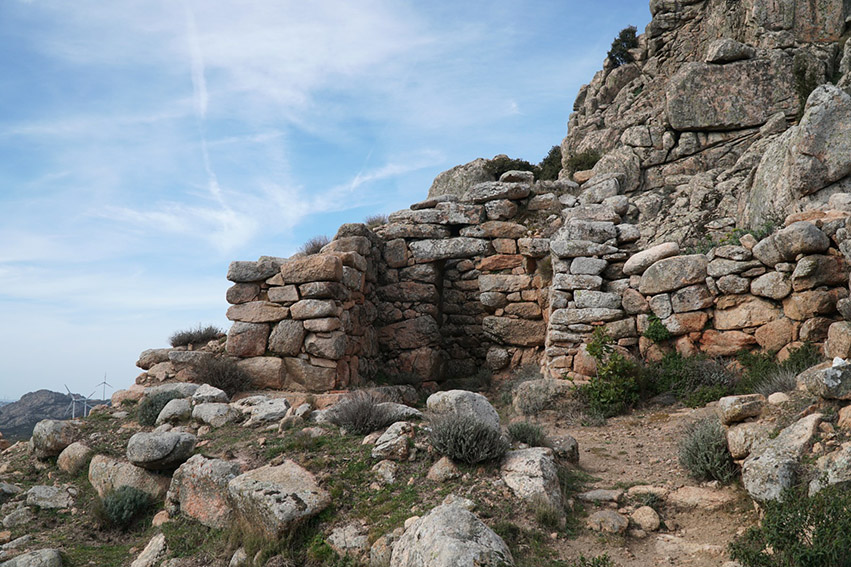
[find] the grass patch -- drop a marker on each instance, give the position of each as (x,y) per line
(526,432)
(187,537)
(314,245)
(197,336)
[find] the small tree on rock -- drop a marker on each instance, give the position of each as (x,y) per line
(619,53)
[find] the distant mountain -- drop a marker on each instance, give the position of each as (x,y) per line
(17,419)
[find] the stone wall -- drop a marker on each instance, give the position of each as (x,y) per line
(517,272)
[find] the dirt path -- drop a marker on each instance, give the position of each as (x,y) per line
(698,521)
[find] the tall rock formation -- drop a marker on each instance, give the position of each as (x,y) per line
(708,123)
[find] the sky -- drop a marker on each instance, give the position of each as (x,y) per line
(146,144)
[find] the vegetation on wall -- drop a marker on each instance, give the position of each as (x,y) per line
(619,53)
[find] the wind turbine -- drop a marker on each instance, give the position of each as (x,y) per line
(104,384)
(73,405)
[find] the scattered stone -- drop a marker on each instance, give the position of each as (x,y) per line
(732,409)
(646,518)
(349,540)
(386,471)
(175,411)
(272,498)
(107,474)
(153,553)
(463,403)
(51,436)
(199,490)
(442,470)
(209,394)
(450,535)
(393,443)
(532,474)
(214,415)
(160,451)
(607,521)
(74,458)
(50,497)
(40,558)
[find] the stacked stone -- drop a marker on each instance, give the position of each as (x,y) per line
(588,256)
(446,253)
(306,323)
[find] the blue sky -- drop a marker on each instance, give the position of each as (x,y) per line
(146,144)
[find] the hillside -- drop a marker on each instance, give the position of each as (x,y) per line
(642,362)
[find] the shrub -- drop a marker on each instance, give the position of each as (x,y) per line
(360,413)
(314,245)
(619,53)
(617,385)
(123,506)
(466,439)
(582,161)
(598,561)
(197,336)
(500,164)
(762,371)
(373,221)
(550,166)
(224,374)
(656,330)
(704,454)
(781,380)
(797,531)
(530,433)
(694,380)
(151,406)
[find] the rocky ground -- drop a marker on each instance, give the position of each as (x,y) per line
(624,465)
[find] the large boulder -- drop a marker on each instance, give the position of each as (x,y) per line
(272,499)
(532,475)
(199,490)
(773,465)
(51,436)
(463,403)
(459,179)
(450,536)
(107,475)
(40,558)
(73,458)
(160,450)
(833,383)
(671,274)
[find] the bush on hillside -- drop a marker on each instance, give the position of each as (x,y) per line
(704,454)
(550,166)
(198,336)
(466,439)
(360,413)
(619,53)
(150,407)
(582,161)
(798,531)
(500,164)
(314,245)
(123,506)
(224,374)
(526,432)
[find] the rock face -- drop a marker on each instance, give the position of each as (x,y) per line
(270,499)
(448,536)
(199,490)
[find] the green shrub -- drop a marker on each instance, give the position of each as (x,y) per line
(704,454)
(197,336)
(656,330)
(598,561)
(150,407)
(582,161)
(550,166)
(374,221)
(762,371)
(526,432)
(500,164)
(224,374)
(617,385)
(798,531)
(466,439)
(360,413)
(695,380)
(123,506)
(619,53)
(314,245)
